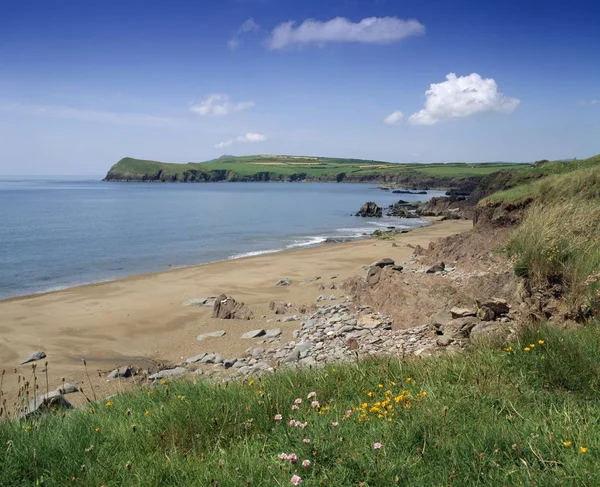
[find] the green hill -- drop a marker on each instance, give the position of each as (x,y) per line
(306,168)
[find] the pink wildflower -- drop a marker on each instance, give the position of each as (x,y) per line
(377,446)
(293,458)
(295,407)
(296,480)
(348,413)
(311,395)
(282,456)
(306,441)
(306,463)
(298,400)
(335,424)
(278,417)
(292,422)
(314,404)
(302,425)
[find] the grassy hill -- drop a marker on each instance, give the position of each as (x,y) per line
(304,168)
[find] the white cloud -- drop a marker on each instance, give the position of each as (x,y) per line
(371,30)
(219,104)
(233,43)
(590,102)
(249,26)
(462,96)
(393,118)
(249,137)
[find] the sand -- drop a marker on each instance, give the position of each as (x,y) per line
(141,320)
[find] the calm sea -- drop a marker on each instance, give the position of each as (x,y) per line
(56,233)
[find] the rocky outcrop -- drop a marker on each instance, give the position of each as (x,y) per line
(370,210)
(227,308)
(34,357)
(403,209)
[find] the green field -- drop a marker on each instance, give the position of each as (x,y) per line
(296,168)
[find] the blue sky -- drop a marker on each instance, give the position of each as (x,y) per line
(83,84)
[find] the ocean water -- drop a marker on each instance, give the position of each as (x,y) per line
(57,233)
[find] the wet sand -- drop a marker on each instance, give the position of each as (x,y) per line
(141,320)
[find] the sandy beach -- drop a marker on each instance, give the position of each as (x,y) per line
(141,320)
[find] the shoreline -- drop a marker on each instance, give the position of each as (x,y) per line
(430,221)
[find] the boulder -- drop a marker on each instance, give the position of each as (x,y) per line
(51,401)
(444,341)
(227,308)
(278,307)
(67,388)
(273,333)
(370,210)
(383,263)
(253,334)
(284,282)
(373,275)
(397,268)
(123,371)
(440,319)
(488,329)
(211,334)
(195,358)
(497,305)
(168,373)
(459,327)
(462,312)
(34,357)
(208,301)
(486,314)
(436,268)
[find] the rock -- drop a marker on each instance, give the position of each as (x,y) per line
(273,333)
(288,319)
(284,282)
(311,279)
(211,334)
(227,308)
(397,268)
(370,210)
(462,312)
(293,356)
(459,327)
(498,306)
(257,352)
(304,347)
(436,268)
(34,357)
(124,371)
(444,341)
(383,263)
(488,328)
(352,344)
(168,373)
(67,388)
(278,307)
(208,301)
(195,358)
(253,334)
(218,359)
(209,358)
(441,318)
(332,298)
(229,363)
(48,402)
(373,275)
(486,314)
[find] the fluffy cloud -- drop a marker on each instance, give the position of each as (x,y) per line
(590,102)
(249,137)
(393,118)
(462,96)
(372,30)
(219,104)
(248,26)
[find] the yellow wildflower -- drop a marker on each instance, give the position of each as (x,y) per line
(567,444)
(527,349)
(583,449)
(163,381)
(251,383)
(540,342)
(27,428)
(108,404)
(532,345)
(370,393)
(380,386)
(508,349)
(146,412)
(409,380)
(97,430)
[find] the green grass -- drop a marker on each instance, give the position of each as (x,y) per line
(489,417)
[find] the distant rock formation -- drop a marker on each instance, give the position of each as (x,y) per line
(370,210)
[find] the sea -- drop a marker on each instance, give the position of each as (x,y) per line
(61,232)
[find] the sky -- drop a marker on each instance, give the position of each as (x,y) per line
(83,84)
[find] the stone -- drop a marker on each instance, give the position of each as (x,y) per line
(293,356)
(288,319)
(218,359)
(486,314)
(229,363)
(284,282)
(67,388)
(278,307)
(332,298)
(51,401)
(168,373)
(497,305)
(34,357)
(444,341)
(373,275)
(370,210)
(195,358)
(208,301)
(462,312)
(440,319)
(124,372)
(436,268)
(253,334)
(487,329)
(209,358)
(397,268)
(459,327)
(304,347)
(273,333)
(227,308)
(383,263)
(352,344)
(257,352)
(211,334)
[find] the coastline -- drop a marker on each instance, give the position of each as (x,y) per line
(141,318)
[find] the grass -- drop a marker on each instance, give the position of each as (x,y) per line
(485,417)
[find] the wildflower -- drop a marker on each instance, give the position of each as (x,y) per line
(298,401)
(370,393)
(292,422)
(422,394)
(348,413)
(311,395)
(293,458)
(540,342)
(302,425)
(278,417)
(92,410)
(335,424)
(532,345)
(527,349)
(306,441)
(27,428)
(409,380)
(567,444)
(146,412)
(296,480)
(163,381)
(583,449)
(295,407)
(380,386)
(377,446)
(508,349)
(108,404)
(282,456)
(180,397)
(314,404)
(128,465)
(251,383)
(306,463)
(97,430)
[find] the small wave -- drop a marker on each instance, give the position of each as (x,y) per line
(304,243)
(253,253)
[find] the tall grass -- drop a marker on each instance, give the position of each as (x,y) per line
(524,415)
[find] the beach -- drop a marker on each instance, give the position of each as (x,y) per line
(141,320)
